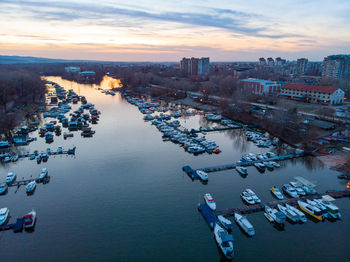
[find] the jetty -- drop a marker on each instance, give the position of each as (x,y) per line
(16,227)
(208,215)
(291,201)
(191,172)
(24,182)
(206,130)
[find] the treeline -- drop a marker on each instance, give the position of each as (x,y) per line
(20,87)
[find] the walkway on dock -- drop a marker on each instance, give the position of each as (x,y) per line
(17,227)
(191,172)
(290,201)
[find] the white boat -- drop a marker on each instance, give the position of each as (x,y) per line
(277,193)
(290,191)
(298,188)
(30,187)
(11,177)
(224,240)
(7,159)
(319,206)
(289,213)
(247,198)
(203,176)
(254,196)
(243,222)
(43,173)
(225,222)
(14,158)
(333,210)
(4,213)
(273,215)
(311,210)
(242,170)
(301,215)
(275,164)
(29,219)
(210,201)
(3,188)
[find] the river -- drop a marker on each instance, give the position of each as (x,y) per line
(124,197)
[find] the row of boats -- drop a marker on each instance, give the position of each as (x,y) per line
(259,139)
(30,187)
(29,219)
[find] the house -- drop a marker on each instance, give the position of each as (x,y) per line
(314,94)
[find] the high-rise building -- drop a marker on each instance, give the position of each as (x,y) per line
(262,61)
(203,66)
(301,65)
(336,66)
(270,62)
(194,66)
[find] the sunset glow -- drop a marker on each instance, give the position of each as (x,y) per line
(161,31)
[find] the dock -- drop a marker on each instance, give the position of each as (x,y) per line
(233,165)
(16,227)
(206,130)
(290,201)
(190,172)
(208,215)
(24,182)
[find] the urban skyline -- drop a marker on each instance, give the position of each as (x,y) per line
(155,31)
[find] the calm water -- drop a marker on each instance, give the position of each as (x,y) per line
(124,197)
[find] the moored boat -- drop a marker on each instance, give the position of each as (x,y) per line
(273,215)
(227,224)
(224,240)
(247,198)
(242,170)
(3,188)
(30,187)
(202,175)
(288,213)
(29,220)
(333,210)
(311,210)
(253,195)
(43,173)
(301,215)
(243,222)
(210,201)
(4,213)
(260,166)
(289,190)
(277,193)
(319,206)
(11,177)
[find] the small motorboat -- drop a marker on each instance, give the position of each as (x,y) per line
(210,201)
(14,158)
(4,213)
(44,157)
(227,224)
(32,156)
(38,159)
(333,210)
(273,215)
(59,150)
(3,188)
(30,187)
(289,190)
(253,195)
(289,213)
(29,220)
(311,210)
(247,198)
(224,240)
(298,188)
(242,170)
(275,164)
(7,159)
(11,177)
(277,193)
(202,175)
(301,215)
(269,165)
(260,166)
(243,222)
(43,173)
(320,207)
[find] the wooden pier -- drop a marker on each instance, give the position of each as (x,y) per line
(290,201)
(248,163)
(206,130)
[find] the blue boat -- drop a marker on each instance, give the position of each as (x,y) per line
(208,215)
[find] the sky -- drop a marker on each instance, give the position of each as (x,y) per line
(140,30)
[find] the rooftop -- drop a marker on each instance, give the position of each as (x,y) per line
(311,88)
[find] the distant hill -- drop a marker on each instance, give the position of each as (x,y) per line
(4,59)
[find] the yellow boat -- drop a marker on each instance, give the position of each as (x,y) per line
(311,210)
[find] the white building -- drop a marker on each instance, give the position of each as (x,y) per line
(314,94)
(260,86)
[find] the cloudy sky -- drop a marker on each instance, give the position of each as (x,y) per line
(140,30)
